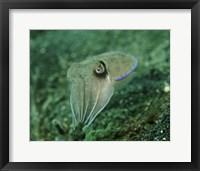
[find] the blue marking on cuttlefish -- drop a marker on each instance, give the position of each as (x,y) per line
(130,71)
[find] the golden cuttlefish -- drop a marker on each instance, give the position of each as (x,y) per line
(93,82)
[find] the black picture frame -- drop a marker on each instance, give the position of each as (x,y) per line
(5,5)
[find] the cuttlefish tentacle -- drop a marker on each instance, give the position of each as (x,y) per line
(95,102)
(105,92)
(78,106)
(86,102)
(93,82)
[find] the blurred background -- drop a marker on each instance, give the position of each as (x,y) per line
(138,112)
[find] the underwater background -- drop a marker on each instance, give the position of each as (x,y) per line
(140,111)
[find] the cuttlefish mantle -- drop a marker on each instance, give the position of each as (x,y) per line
(93,82)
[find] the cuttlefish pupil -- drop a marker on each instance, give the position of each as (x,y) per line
(100,68)
(93,82)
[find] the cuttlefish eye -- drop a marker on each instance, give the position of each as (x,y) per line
(100,68)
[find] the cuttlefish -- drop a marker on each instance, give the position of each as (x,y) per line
(93,82)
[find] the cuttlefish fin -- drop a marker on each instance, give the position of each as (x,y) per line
(121,84)
(126,77)
(129,72)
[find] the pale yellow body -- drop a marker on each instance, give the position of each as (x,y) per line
(93,82)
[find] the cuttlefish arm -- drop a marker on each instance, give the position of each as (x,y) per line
(93,82)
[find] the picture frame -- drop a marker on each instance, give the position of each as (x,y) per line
(6,5)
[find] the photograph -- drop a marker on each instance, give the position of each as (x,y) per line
(104,85)
(99,85)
